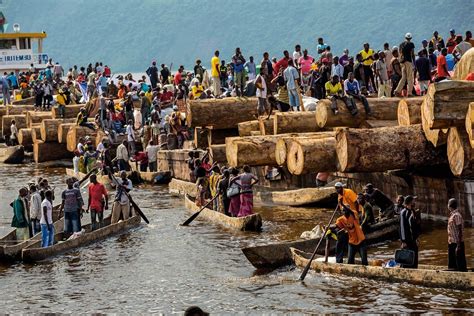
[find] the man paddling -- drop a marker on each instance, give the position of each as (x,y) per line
(456,253)
(350,224)
(121,206)
(349,198)
(98,201)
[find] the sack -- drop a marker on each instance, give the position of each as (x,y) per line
(405,256)
(233,191)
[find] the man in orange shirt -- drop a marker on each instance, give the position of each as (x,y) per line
(344,197)
(442,66)
(349,223)
(97,195)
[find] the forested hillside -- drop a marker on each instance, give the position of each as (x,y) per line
(128,34)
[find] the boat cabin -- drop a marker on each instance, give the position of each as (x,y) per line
(19,50)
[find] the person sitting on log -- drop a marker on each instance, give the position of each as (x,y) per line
(81,119)
(334,92)
(377,197)
(352,90)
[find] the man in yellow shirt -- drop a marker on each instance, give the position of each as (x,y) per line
(367,61)
(197,90)
(334,92)
(215,74)
(61,100)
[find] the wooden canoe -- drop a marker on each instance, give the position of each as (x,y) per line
(104,179)
(248,223)
(277,255)
(425,275)
(299,197)
(157,177)
(10,248)
(34,252)
(12,154)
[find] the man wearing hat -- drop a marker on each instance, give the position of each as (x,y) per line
(407,58)
(410,229)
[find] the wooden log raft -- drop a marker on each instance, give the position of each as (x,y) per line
(49,129)
(49,151)
(75,133)
(409,111)
(447,103)
(245,128)
(34,117)
(460,152)
(386,148)
(381,109)
(470,123)
(19,109)
(63,128)
(284,143)
(437,137)
(308,155)
(221,113)
(71,111)
(217,154)
(24,137)
(295,122)
(20,121)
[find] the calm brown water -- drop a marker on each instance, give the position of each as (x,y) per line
(164,268)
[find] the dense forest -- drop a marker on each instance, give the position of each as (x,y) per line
(128,34)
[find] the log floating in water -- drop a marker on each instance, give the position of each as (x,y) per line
(447,103)
(75,133)
(217,154)
(385,148)
(409,111)
(307,155)
(460,152)
(437,137)
(71,111)
(221,113)
(49,151)
(470,123)
(284,143)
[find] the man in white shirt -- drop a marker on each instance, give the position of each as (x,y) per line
(152,151)
(35,210)
(130,138)
(13,134)
(297,54)
(47,227)
(122,156)
(121,206)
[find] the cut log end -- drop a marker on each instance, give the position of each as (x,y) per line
(470,123)
(460,152)
(280,152)
(341,149)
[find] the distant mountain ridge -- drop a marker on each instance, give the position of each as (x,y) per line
(129,34)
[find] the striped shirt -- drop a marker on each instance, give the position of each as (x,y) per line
(455,219)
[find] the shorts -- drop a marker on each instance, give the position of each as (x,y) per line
(294,98)
(423,85)
(72,223)
(262,105)
(239,78)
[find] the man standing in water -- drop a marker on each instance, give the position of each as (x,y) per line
(456,253)
(72,203)
(97,197)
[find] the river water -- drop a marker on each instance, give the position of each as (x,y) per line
(164,268)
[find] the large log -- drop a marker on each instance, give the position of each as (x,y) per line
(19,109)
(283,144)
(63,128)
(245,128)
(295,122)
(470,123)
(447,103)
(77,132)
(308,155)
(386,148)
(409,111)
(221,113)
(465,66)
(49,130)
(218,136)
(437,137)
(378,123)
(24,137)
(3,112)
(50,151)
(251,150)
(36,132)
(34,117)
(71,111)
(381,109)
(460,152)
(20,121)
(217,154)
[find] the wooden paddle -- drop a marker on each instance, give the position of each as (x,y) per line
(193,217)
(135,206)
(87,176)
(305,271)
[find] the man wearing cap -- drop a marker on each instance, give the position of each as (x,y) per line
(456,253)
(121,206)
(346,197)
(451,42)
(410,229)
(407,58)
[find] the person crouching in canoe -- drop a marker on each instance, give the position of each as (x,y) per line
(247,181)
(350,224)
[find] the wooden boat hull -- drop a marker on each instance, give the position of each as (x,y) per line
(34,252)
(248,223)
(158,177)
(12,154)
(299,197)
(277,255)
(425,276)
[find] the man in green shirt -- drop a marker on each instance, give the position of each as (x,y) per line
(20,215)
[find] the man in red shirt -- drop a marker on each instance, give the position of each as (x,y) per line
(178,76)
(166,98)
(451,42)
(97,195)
(282,63)
(442,66)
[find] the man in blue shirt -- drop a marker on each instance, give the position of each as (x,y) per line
(6,89)
(251,68)
(238,62)
(291,77)
(352,90)
(321,46)
(13,80)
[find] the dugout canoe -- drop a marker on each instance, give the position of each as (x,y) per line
(248,223)
(34,252)
(10,247)
(430,276)
(299,197)
(277,255)
(12,154)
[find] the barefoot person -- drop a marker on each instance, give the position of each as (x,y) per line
(121,207)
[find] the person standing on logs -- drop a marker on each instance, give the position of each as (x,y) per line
(410,229)
(98,196)
(344,197)
(350,224)
(377,197)
(71,204)
(121,206)
(238,62)
(407,58)
(456,252)
(291,76)
(152,73)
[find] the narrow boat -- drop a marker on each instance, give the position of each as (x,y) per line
(298,197)
(104,179)
(35,252)
(12,154)
(277,255)
(153,177)
(248,223)
(10,247)
(430,276)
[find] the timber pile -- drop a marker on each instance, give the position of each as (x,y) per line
(71,111)
(34,117)
(409,111)
(251,150)
(381,109)
(175,161)
(386,148)
(378,123)
(245,128)
(20,121)
(49,129)
(284,143)
(312,154)
(437,137)
(217,137)
(49,151)
(24,137)
(295,122)
(36,132)
(221,113)
(63,128)
(19,109)
(447,103)
(75,133)
(460,152)
(465,66)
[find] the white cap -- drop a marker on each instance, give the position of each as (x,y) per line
(338,185)
(408,36)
